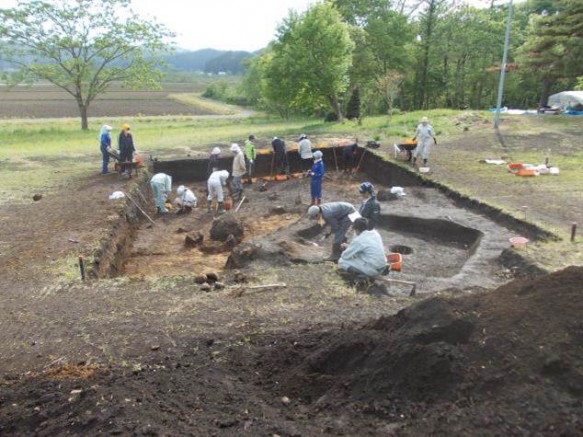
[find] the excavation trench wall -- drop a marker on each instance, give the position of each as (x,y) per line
(378,169)
(109,257)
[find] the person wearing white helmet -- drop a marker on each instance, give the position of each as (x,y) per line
(424,134)
(213,160)
(335,215)
(238,171)
(305,151)
(215,184)
(161,184)
(104,146)
(185,199)
(317,174)
(370,208)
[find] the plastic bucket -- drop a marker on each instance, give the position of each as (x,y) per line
(518,242)
(395,261)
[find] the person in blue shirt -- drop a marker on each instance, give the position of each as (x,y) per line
(317,174)
(105,145)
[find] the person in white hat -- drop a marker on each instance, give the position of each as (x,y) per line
(105,145)
(305,151)
(424,135)
(239,170)
(214,160)
(185,200)
(215,184)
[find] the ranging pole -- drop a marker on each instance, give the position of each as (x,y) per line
(503,68)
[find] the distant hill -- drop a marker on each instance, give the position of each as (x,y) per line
(206,60)
(209,61)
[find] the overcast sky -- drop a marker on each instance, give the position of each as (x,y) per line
(223,24)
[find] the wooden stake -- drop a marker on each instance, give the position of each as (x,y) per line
(240,203)
(360,161)
(241,291)
(335,159)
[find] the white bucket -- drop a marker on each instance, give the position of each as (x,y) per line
(554,170)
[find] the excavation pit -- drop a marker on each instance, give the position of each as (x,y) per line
(444,243)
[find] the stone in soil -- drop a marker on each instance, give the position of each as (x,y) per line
(225,225)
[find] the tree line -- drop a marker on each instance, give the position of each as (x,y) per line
(351,58)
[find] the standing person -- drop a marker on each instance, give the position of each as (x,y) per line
(335,215)
(126,147)
(365,255)
(161,185)
(185,200)
(281,163)
(105,145)
(213,161)
(305,151)
(317,175)
(250,155)
(423,135)
(370,208)
(215,184)
(238,171)
(349,157)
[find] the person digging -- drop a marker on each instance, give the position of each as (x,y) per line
(185,200)
(215,184)
(335,215)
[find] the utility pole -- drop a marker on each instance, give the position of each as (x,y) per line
(503,68)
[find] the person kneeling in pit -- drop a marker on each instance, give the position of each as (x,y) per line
(215,184)
(335,215)
(185,200)
(365,255)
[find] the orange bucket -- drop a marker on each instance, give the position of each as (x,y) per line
(395,261)
(527,172)
(227,204)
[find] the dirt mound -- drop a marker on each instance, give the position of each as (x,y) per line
(509,361)
(226,225)
(494,363)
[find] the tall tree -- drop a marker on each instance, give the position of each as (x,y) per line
(319,46)
(82,46)
(556,48)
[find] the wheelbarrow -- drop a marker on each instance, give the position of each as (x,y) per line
(407,145)
(120,165)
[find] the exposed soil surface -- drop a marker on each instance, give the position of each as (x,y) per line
(498,363)
(155,353)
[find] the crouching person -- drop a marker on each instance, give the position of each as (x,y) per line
(335,215)
(185,200)
(215,184)
(365,255)
(161,185)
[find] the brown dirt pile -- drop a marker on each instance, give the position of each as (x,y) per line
(507,362)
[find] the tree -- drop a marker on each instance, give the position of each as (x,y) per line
(83,46)
(313,53)
(556,48)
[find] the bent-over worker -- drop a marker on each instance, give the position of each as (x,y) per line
(335,215)
(215,184)
(185,200)
(370,208)
(423,135)
(365,255)
(161,185)
(317,175)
